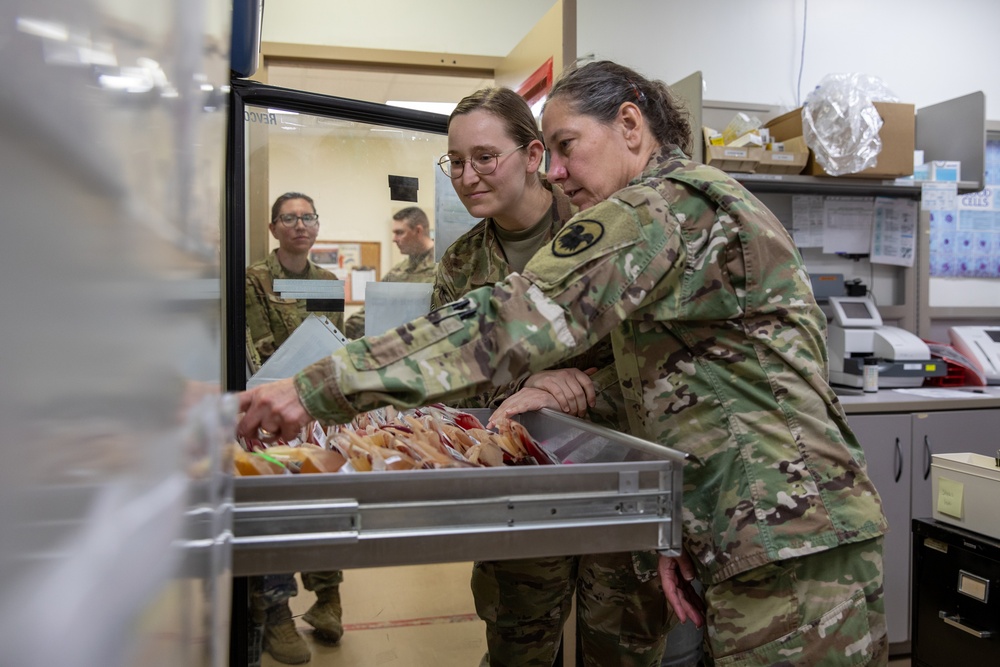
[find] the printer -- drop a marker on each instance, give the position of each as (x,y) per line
(857,332)
(981,344)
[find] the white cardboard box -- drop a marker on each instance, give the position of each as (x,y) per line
(966,492)
(944,170)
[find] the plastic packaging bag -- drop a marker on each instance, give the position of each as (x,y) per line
(840,123)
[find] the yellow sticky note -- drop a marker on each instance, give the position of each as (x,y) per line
(949,498)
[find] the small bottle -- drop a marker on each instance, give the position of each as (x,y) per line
(870,375)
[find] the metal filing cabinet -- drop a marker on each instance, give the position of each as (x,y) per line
(956,596)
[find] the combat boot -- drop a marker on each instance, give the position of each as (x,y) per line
(325,615)
(282,640)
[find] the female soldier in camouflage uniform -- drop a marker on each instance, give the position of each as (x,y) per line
(494,157)
(270,321)
(721,353)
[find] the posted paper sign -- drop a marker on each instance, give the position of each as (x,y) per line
(894,232)
(847,225)
(949,500)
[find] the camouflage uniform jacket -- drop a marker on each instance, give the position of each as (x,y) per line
(477,260)
(415,269)
(719,344)
(271,319)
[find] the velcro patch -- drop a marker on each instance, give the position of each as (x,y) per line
(577,236)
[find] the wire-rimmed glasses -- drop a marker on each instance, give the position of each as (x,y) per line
(483,163)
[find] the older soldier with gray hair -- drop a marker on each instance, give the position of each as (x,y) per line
(721,353)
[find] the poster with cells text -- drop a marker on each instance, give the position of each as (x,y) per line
(965,228)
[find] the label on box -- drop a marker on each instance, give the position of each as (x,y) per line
(940,170)
(733,152)
(949,500)
(784,157)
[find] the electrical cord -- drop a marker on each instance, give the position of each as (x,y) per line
(802,55)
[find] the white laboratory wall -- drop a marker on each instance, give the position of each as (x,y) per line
(926,51)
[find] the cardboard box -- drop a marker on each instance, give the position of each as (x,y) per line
(791,159)
(743,159)
(965,489)
(898,137)
(941,170)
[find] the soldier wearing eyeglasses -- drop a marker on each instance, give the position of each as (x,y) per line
(270,321)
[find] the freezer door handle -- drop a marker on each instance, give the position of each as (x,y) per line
(956,621)
(296,524)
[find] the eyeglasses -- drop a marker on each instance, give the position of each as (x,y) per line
(289,219)
(483,163)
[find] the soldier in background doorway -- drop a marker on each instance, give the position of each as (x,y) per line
(411,232)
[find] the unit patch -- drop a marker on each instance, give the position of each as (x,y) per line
(576,237)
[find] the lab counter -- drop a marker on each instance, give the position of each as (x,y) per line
(920,399)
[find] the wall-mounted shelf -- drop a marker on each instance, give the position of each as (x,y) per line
(828,185)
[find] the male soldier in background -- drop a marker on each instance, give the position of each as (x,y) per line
(411,232)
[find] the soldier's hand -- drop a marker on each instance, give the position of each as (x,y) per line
(676,575)
(572,389)
(272,410)
(525,400)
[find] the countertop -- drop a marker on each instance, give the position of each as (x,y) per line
(921,399)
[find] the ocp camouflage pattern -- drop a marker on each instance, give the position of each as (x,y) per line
(719,345)
(271,319)
(476,259)
(524,602)
(416,269)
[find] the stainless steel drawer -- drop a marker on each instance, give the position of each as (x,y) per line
(612,492)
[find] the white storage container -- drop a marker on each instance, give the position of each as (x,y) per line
(966,492)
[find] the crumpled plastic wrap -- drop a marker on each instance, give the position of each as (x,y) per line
(840,123)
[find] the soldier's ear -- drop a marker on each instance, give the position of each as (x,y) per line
(536,153)
(631,121)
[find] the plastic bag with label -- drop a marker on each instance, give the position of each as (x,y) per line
(840,123)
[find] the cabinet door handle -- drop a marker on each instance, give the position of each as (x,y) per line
(927,458)
(956,621)
(899,461)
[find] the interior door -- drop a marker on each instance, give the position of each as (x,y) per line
(357,161)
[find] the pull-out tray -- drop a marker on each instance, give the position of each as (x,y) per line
(613,492)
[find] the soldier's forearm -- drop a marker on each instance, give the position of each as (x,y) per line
(486,339)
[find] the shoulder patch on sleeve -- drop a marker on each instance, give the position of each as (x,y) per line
(577,236)
(605,229)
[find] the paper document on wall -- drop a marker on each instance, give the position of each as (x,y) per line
(316,338)
(388,305)
(807,220)
(939,196)
(847,225)
(360,278)
(894,231)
